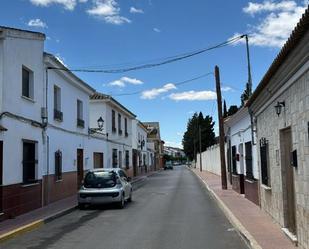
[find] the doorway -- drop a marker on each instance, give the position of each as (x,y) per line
(288,180)
(98,159)
(80,167)
(134,158)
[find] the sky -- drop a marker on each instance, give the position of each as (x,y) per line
(117,34)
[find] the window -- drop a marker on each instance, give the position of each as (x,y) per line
(27,83)
(80,119)
(127,159)
(119,124)
(114,158)
(264,161)
(113,121)
(126,127)
(29,162)
(58,165)
(120,159)
(98,160)
(57,104)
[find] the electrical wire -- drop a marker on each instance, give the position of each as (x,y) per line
(176,84)
(165,61)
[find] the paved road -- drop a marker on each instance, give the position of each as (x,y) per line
(172,210)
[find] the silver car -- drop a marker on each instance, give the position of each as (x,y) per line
(105,186)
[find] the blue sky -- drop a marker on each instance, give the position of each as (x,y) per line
(105,34)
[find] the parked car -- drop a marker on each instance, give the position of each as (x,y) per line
(102,186)
(168,165)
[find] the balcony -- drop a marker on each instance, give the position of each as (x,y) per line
(80,123)
(58,115)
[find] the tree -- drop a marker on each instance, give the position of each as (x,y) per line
(190,139)
(245,95)
(232,110)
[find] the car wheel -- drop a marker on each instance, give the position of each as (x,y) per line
(81,206)
(130,198)
(121,202)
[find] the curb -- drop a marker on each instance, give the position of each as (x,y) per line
(34,225)
(241,230)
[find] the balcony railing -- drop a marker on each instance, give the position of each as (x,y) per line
(58,115)
(80,123)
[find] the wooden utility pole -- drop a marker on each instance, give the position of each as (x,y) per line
(221,129)
(200,145)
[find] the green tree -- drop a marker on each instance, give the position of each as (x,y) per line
(232,110)
(190,139)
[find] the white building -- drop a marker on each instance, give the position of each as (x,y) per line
(21,136)
(242,155)
(67,153)
(117,130)
(139,148)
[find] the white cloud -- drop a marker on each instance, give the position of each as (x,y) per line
(108,11)
(173,144)
(276,25)
(254,8)
(37,23)
(153,93)
(226,88)
(136,11)
(122,82)
(156,30)
(193,95)
(67,4)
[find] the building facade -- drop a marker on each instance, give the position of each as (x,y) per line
(242,155)
(280,106)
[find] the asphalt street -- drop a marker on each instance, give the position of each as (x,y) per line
(170,210)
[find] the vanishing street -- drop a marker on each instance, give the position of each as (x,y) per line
(171,210)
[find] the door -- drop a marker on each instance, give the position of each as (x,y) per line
(241,168)
(1,175)
(234,162)
(288,180)
(80,167)
(249,169)
(134,158)
(98,159)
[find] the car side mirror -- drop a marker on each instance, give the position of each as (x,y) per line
(129,179)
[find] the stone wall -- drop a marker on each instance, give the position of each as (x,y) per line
(296,116)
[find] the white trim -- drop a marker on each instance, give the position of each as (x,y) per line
(284,87)
(267,188)
(290,235)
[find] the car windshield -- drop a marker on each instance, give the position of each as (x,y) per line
(101,179)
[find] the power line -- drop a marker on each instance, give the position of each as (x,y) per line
(176,84)
(165,61)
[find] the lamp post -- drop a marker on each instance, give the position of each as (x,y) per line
(100,123)
(279,106)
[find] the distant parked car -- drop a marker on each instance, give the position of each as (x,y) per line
(105,186)
(168,165)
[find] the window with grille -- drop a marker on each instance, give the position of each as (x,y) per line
(264,161)
(58,115)
(249,169)
(29,162)
(27,83)
(119,124)
(113,121)
(127,159)
(80,116)
(126,127)
(58,165)
(114,158)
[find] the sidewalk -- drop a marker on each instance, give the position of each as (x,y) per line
(253,224)
(31,220)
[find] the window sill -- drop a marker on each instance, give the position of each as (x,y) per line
(250,180)
(28,99)
(29,184)
(265,187)
(290,235)
(60,180)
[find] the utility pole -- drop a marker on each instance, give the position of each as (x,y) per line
(221,129)
(199,134)
(249,67)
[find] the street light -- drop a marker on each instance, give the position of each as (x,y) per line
(279,106)
(100,123)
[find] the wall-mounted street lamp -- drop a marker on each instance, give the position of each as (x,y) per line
(100,122)
(279,106)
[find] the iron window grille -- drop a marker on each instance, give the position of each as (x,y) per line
(264,161)
(58,165)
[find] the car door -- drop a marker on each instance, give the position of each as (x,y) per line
(125,184)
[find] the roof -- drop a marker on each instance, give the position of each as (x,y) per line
(22,30)
(296,36)
(102,96)
(65,69)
